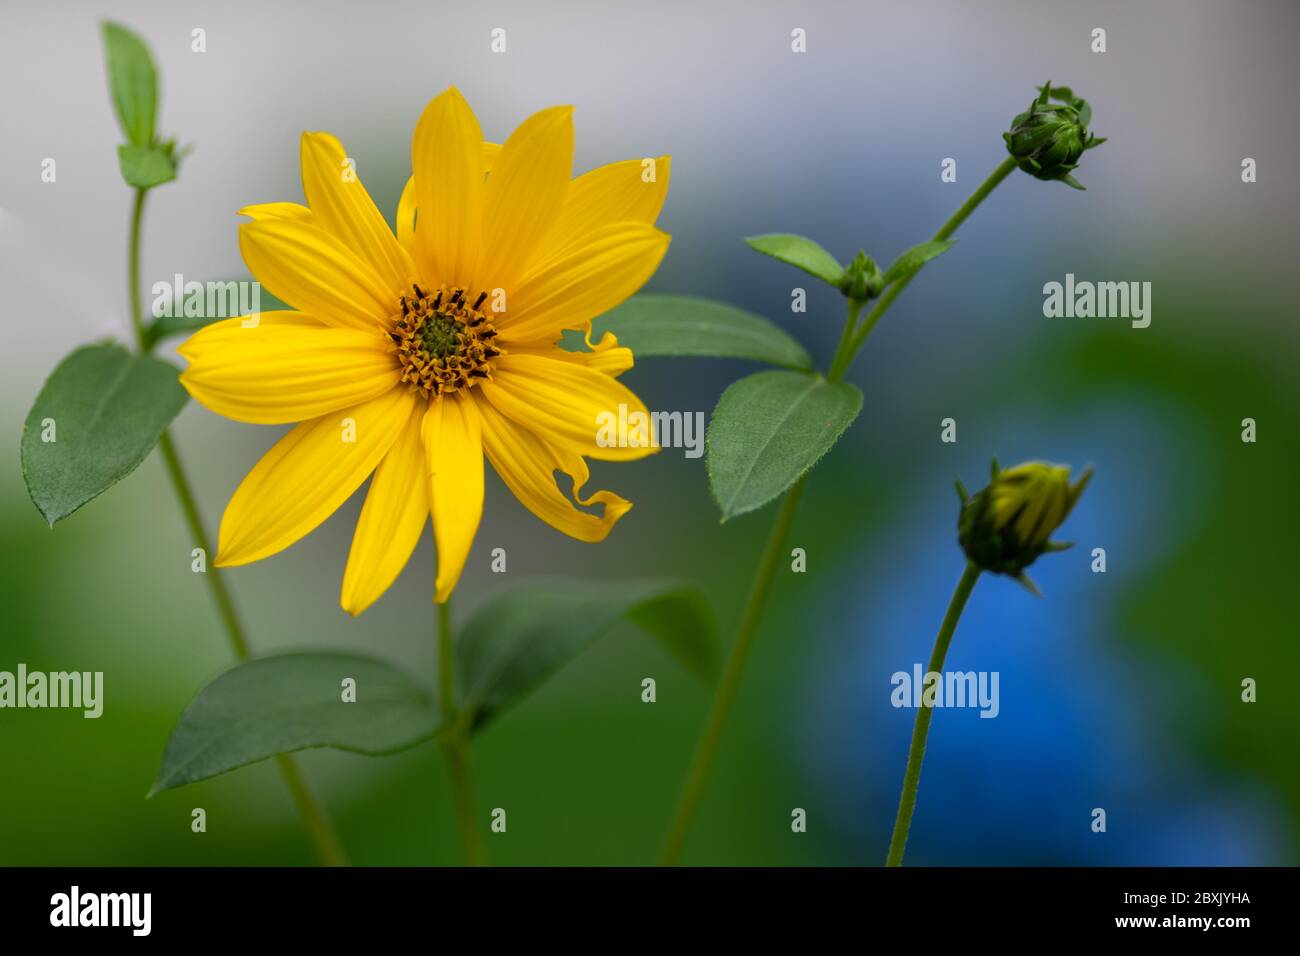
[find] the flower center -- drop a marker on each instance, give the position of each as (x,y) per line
(443,342)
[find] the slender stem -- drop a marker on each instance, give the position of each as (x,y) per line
(846,356)
(921,728)
(725,694)
(454,742)
(314,817)
(133,275)
(1004,170)
(846,337)
(216,580)
(456,750)
(446,663)
(851,340)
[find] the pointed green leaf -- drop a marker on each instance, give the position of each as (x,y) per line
(287,702)
(910,262)
(133,83)
(94,421)
(768,430)
(686,325)
(145,166)
(800,252)
(517,641)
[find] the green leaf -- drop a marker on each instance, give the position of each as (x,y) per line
(146,166)
(133,83)
(910,262)
(514,643)
(94,421)
(660,325)
(770,428)
(289,702)
(800,252)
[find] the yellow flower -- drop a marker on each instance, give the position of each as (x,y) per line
(411,356)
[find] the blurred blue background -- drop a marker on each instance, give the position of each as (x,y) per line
(1118,690)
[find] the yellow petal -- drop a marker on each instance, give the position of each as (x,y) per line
(447,161)
(278,372)
(276,210)
(611,194)
(307,474)
(269,317)
(391,522)
(406,214)
(308,268)
(342,207)
(406,204)
(571,406)
(606,356)
(527,466)
(587,281)
(453,442)
(524,194)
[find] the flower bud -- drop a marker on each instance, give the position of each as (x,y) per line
(1048,139)
(862,280)
(1006,526)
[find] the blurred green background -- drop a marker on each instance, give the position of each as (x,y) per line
(1119,690)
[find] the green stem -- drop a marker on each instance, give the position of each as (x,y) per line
(851,340)
(846,337)
(446,663)
(1004,170)
(456,750)
(314,817)
(725,694)
(133,277)
(454,742)
(845,358)
(216,580)
(921,728)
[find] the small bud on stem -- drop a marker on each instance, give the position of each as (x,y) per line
(1048,139)
(862,279)
(1005,527)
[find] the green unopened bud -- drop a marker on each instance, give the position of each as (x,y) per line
(1048,139)
(862,280)
(1006,526)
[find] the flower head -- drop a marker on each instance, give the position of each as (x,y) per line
(1006,526)
(862,279)
(409,356)
(1048,139)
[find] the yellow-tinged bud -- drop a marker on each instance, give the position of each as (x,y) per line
(1006,526)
